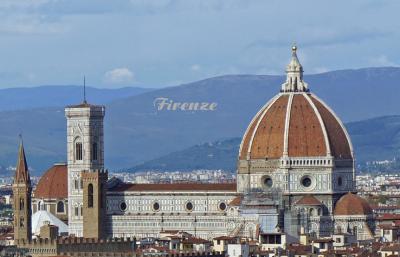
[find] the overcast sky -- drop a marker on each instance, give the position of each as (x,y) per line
(155,43)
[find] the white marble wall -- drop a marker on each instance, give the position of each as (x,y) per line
(84,124)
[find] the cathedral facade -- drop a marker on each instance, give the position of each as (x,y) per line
(295,174)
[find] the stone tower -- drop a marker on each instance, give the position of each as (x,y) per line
(85,144)
(94,203)
(22,199)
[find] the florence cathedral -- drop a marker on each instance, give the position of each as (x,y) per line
(295,175)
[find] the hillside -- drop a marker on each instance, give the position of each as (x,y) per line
(135,131)
(374,140)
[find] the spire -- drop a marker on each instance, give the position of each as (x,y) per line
(84,90)
(21,173)
(294,78)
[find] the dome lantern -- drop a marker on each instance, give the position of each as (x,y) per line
(294,79)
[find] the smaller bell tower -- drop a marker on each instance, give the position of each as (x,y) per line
(94,203)
(22,199)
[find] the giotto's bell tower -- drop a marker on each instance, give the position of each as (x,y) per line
(85,152)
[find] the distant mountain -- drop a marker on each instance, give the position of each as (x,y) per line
(210,156)
(135,131)
(52,96)
(374,140)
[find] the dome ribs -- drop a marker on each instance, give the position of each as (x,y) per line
(269,135)
(339,143)
(306,137)
(247,137)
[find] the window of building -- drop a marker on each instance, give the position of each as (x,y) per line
(90,196)
(76,184)
(76,211)
(189,206)
(306,181)
(21,203)
(222,206)
(60,207)
(94,151)
(267,182)
(123,206)
(78,151)
(156,206)
(340,181)
(21,222)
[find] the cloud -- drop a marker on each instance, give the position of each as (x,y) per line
(119,76)
(195,67)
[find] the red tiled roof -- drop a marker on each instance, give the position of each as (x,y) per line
(340,146)
(224,238)
(308,200)
(352,204)
(309,119)
(388,216)
(235,201)
(54,183)
(195,240)
(231,187)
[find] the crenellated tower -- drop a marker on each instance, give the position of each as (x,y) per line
(94,203)
(85,144)
(22,199)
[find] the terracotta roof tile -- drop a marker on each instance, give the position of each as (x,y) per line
(306,137)
(176,187)
(339,145)
(235,201)
(352,204)
(308,200)
(309,120)
(54,183)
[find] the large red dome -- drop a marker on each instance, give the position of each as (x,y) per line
(295,124)
(53,183)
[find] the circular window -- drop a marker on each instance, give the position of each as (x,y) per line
(156,206)
(340,181)
(306,181)
(189,206)
(222,206)
(268,182)
(122,206)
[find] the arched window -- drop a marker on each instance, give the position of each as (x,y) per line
(90,196)
(78,151)
(21,203)
(60,207)
(94,151)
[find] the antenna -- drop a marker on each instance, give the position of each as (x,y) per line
(84,89)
